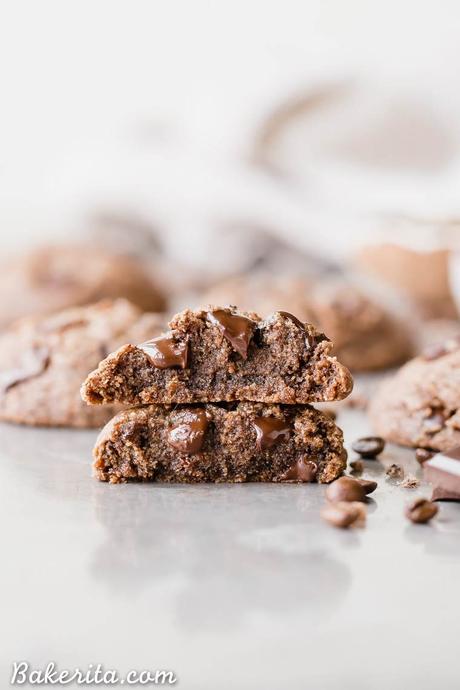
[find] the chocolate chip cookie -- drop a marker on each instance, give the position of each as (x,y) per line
(49,279)
(240,442)
(365,334)
(220,354)
(420,405)
(43,361)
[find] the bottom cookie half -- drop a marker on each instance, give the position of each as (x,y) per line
(231,442)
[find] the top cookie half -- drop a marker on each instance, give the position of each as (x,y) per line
(220,354)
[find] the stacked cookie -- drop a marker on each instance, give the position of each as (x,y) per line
(222,396)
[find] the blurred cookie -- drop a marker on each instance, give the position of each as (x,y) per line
(52,278)
(422,277)
(366,336)
(419,406)
(43,361)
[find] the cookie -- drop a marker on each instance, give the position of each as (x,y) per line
(240,442)
(44,360)
(220,354)
(366,336)
(50,279)
(405,270)
(420,405)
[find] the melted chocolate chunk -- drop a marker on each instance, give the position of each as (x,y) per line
(293,318)
(34,362)
(165,352)
(188,434)
(270,430)
(238,330)
(303,471)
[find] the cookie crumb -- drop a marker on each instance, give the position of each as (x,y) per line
(395,471)
(410,483)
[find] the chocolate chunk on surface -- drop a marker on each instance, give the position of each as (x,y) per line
(442,471)
(420,405)
(165,353)
(237,329)
(281,365)
(188,433)
(44,359)
(136,445)
(270,430)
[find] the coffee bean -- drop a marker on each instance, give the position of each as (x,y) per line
(344,514)
(357,466)
(346,489)
(369,446)
(421,510)
(422,455)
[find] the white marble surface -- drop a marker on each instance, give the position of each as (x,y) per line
(229,586)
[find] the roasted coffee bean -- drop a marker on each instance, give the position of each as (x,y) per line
(422,455)
(421,510)
(369,446)
(346,489)
(357,466)
(344,514)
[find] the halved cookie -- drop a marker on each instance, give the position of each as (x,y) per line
(239,442)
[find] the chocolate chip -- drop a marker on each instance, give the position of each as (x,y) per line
(368,447)
(357,466)
(270,430)
(33,363)
(292,318)
(238,330)
(346,489)
(394,471)
(422,455)
(188,434)
(344,514)
(421,510)
(304,470)
(165,352)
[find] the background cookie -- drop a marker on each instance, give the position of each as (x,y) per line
(419,406)
(43,361)
(366,336)
(56,277)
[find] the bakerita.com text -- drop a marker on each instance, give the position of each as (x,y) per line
(22,673)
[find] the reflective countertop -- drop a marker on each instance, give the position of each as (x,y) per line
(229,586)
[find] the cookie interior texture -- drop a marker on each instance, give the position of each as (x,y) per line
(44,359)
(231,356)
(220,443)
(420,405)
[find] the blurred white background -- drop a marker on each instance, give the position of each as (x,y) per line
(319,120)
